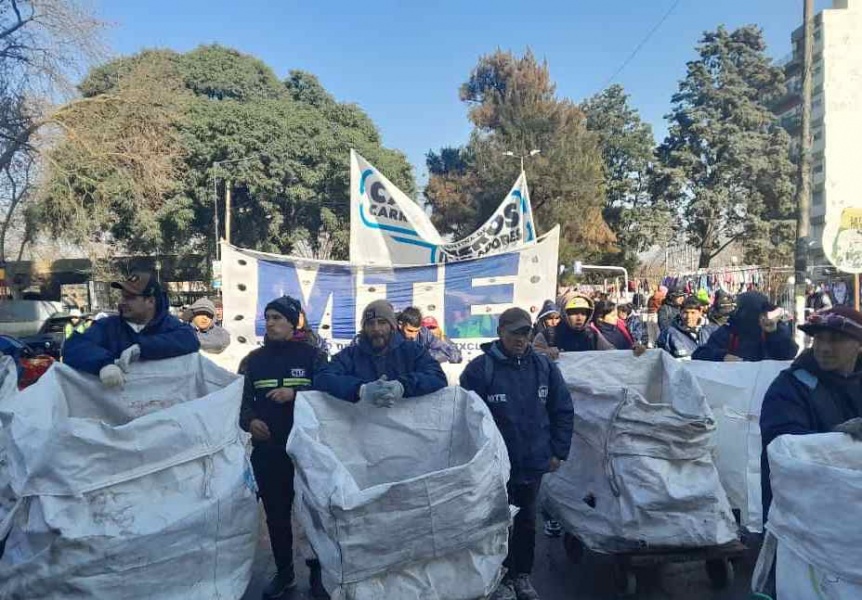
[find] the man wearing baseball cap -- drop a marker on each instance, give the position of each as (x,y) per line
(142,331)
(381,366)
(532,408)
(822,389)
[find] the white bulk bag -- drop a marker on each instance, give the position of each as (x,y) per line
(816,494)
(140,492)
(402,502)
(640,471)
(735,391)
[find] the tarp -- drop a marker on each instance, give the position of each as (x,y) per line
(817,487)
(465,297)
(405,502)
(735,391)
(142,492)
(641,472)
(387,227)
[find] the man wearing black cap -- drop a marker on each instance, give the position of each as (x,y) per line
(381,366)
(532,408)
(755,332)
(274,373)
(822,389)
(213,338)
(143,331)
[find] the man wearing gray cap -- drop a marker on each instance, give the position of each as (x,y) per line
(532,408)
(380,366)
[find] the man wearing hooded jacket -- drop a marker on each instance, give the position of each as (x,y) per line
(750,335)
(142,331)
(573,333)
(532,408)
(688,332)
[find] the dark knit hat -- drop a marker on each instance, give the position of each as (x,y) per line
(379,309)
(287,306)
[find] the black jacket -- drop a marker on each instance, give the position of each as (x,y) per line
(805,399)
(579,340)
(666,314)
(531,406)
(275,365)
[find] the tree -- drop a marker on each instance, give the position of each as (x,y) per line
(627,146)
(281,146)
(513,107)
(725,163)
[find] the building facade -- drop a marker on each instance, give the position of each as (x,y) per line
(836,120)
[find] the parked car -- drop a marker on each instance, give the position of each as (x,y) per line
(51,335)
(25,317)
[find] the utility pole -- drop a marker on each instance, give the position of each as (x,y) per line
(227,211)
(803,191)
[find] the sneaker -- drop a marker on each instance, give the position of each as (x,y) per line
(278,585)
(553,529)
(504,591)
(315,581)
(524,588)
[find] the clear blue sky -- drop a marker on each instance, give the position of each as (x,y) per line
(403,61)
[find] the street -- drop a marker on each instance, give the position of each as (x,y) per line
(555,578)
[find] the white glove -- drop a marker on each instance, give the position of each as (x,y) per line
(379,392)
(396,389)
(112,376)
(128,356)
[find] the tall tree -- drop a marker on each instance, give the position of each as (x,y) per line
(725,163)
(44,46)
(281,146)
(627,146)
(514,108)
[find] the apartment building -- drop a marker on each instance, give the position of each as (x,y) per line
(836,129)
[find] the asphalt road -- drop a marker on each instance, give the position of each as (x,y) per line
(557,578)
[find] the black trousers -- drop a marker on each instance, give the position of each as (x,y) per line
(522,536)
(273,471)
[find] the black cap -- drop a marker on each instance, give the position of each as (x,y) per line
(515,320)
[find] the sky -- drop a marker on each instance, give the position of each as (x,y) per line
(403,62)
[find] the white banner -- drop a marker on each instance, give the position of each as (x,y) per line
(842,238)
(465,297)
(387,227)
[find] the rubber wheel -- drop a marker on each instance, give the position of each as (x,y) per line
(720,573)
(625,581)
(574,548)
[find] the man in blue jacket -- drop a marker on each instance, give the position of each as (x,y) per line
(688,332)
(752,334)
(822,389)
(381,366)
(411,327)
(142,331)
(532,408)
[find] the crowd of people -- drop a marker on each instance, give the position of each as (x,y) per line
(397,356)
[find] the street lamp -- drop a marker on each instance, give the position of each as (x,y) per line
(532,153)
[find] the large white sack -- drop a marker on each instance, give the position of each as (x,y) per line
(816,495)
(735,391)
(133,493)
(640,471)
(405,502)
(8,376)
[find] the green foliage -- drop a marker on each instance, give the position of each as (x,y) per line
(725,163)
(627,146)
(514,108)
(281,146)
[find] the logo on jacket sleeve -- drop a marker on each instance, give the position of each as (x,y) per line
(297,372)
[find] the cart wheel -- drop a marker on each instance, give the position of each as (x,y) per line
(574,548)
(626,581)
(720,573)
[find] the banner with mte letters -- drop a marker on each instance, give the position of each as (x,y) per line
(387,227)
(465,297)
